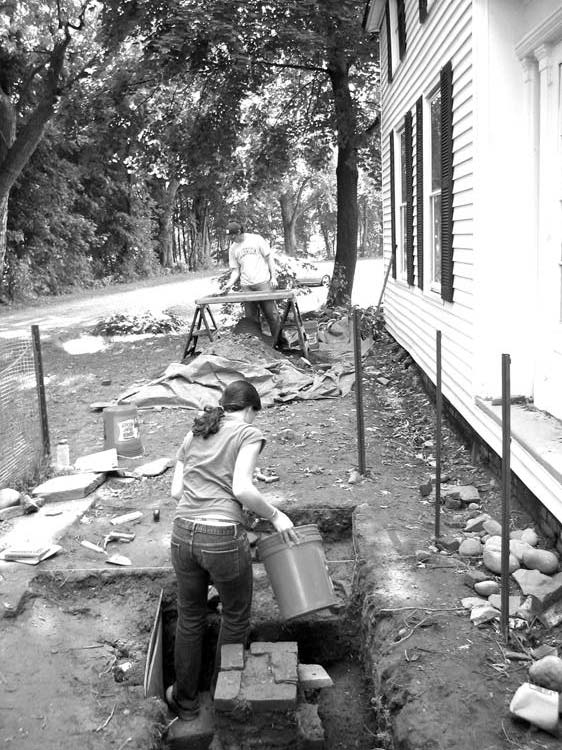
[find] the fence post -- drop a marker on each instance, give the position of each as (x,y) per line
(359,390)
(38,360)
(506,493)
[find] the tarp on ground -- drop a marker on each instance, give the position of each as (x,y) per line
(234,355)
(201,382)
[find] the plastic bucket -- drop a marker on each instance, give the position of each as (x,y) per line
(121,431)
(298,573)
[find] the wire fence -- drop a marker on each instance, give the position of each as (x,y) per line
(23,435)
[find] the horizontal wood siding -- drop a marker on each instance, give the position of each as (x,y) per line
(413,314)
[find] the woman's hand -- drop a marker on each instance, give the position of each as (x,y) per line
(283,524)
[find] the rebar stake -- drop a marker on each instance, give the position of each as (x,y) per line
(438,418)
(506,493)
(359,390)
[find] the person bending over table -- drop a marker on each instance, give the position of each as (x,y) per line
(213,481)
(251,262)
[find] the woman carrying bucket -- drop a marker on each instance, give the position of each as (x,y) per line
(213,480)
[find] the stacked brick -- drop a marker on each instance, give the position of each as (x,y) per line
(258,703)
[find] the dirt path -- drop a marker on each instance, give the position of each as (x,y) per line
(439,682)
(82,310)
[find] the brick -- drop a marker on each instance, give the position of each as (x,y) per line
(232,656)
(267,647)
(310,732)
(284,667)
(273,696)
(227,690)
(313,677)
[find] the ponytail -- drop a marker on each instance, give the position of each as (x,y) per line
(208,421)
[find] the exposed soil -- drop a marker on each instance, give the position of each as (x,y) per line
(62,652)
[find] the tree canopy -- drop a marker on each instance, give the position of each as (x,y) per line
(135,129)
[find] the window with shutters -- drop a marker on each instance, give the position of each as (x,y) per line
(401,192)
(396,40)
(435,188)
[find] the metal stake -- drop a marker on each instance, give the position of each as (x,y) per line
(506,493)
(38,359)
(359,390)
(438,418)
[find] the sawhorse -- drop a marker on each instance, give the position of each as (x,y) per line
(201,326)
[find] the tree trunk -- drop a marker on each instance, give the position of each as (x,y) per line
(346,174)
(289,221)
(7,137)
(167,195)
(15,152)
(200,212)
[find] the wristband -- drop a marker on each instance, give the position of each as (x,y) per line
(273,515)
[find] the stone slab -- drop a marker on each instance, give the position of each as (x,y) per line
(269,697)
(267,647)
(197,734)
(545,590)
(313,677)
(102,461)
(232,656)
(68,487)
(284,667)
(227,690)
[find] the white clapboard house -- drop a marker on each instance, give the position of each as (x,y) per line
(471,134)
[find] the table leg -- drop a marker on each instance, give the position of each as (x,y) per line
(191,342)
(282,323)
(300,328)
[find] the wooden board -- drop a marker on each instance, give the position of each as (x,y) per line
(68,487)
(220,299)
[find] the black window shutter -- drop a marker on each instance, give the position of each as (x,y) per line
(401,12)
(419,189)
(446,80)
(392,206)
(409,175)
(423,10)
(388,41)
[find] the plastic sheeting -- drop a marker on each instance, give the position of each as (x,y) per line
(231,357)
(201,382)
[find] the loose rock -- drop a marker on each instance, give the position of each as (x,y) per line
(518,548)
(492,527)
(472,577)
(547,672)
(540,559)
(470,548)
(480,615)
(469,602)
(514,603)
(9,497)
(477,523)
(530,536)
(486,588)
(491,556)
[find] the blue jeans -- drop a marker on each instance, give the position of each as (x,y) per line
(202,554)
(269,307)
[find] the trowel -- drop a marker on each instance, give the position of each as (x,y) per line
(114,559)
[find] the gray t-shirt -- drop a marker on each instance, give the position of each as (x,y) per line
(250,256)
(208,469)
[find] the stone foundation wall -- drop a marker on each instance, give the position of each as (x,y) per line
(545,521)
